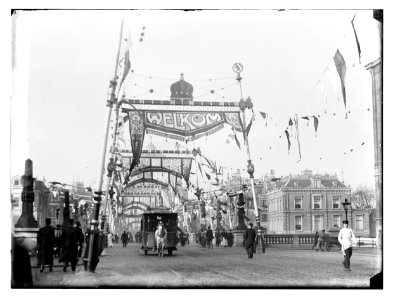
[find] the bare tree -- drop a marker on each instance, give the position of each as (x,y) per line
(363,197)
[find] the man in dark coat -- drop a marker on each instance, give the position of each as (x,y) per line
(249,240)
(124,238)
(218,237)
(45,242)
(316,236)
(80,238)
(209,237)
(69,251)
(230,238)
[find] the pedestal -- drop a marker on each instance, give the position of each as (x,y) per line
(238,238)
(26,237)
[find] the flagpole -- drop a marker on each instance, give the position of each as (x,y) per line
(238,68)
(93,239)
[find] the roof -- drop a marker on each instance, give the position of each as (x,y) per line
(301,183)
(332,182)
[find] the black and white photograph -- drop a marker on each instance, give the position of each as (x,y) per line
(196,149)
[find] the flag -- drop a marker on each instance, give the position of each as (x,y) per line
(126,58)
(249,127)
(289,142)
(323,90)
(264,116)
(315,124)
(341,69)
(332,80)
(296,121)
(356,37)
(237,141)
(306,118)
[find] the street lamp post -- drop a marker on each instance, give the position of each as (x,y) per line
(346,205)
(243,104)
(198,191)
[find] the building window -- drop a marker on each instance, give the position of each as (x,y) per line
(298,223)
(334,183)
(317,183)
(317,202)
(318,223)
(359,222)
(264,218)
(336,221)
(298,203)
(295,184)
(264,203)
(16,182)
(336,202)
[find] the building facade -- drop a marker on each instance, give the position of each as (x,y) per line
(307,203)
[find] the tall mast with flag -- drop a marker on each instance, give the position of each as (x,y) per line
(92,258)
(123,60)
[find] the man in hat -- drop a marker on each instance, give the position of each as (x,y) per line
(249,240)
(80,238)
(45,241)
(69,252)
(160,236)
(346,237)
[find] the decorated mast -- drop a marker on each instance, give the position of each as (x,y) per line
(243,104)
(111,99)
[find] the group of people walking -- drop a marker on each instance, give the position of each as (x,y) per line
(70,242)
(207,238)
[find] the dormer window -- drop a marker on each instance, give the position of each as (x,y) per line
(317,183)
(334,183)
(295,184)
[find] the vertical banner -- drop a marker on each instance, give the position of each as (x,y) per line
(137,134)
(341,69)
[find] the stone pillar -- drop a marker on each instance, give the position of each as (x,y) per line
(27,227)
(375,69)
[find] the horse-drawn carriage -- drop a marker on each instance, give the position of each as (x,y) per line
(149,224)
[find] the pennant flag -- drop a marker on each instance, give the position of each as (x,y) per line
(264,116)
(290,122)
(249,127)
(356,37)
(126,58)
(289,142)
(207,175)
(315,124)
(323,90)
(237,141)
(341,69)
(306,118)
(296,121)
(332,80)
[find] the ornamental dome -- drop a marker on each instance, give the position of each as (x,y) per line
(181,89)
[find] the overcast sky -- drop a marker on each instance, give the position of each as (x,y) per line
(64,60)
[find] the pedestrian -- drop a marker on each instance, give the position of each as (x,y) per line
(316,236)
(80,237)
(321,241)
(116,238)
(124,238)
(217,237)
(249,240)
(21,276)
(224,240)
(346,237)
(209,237)
(131,238)
(69,251)
(230,238)
(110,241)
(46,241)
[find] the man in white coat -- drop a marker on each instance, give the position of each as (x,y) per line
(347,238)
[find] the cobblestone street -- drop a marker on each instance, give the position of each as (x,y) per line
(197,267)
